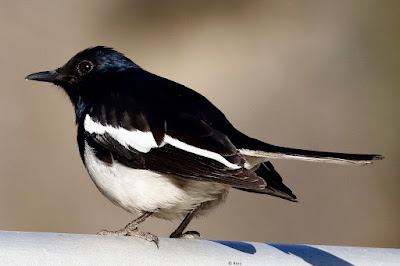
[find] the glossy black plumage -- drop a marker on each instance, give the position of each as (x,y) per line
(132,117)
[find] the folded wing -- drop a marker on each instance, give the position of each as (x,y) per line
(208,155)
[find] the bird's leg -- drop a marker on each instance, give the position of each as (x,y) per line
(178,233)
(131,229)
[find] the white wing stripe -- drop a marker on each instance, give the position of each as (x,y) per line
(192,149)
(139,140)
(144,141)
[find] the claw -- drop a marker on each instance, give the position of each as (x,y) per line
(154,239)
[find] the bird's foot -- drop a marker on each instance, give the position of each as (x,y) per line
(187,235)
(131,230)
(121,232)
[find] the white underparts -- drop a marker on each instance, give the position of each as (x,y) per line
(138,190)
(144,141)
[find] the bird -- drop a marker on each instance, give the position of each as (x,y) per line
(158,148)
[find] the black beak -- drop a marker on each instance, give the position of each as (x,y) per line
(46,76)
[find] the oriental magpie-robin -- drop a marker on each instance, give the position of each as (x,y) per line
(157,148)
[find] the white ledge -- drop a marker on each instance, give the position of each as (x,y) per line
(32,248)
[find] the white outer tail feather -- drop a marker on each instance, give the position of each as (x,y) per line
(277,155)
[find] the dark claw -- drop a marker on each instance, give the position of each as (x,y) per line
(156,241)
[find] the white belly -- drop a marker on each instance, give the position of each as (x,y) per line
(139,191)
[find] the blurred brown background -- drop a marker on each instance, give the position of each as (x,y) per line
(317,74)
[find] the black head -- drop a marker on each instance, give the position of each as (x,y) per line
(85,70)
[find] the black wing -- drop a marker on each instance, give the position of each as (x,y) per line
(118,115)
(172,161)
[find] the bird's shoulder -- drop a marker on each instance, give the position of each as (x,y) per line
(139,99)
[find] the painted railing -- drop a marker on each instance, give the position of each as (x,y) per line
(33,248)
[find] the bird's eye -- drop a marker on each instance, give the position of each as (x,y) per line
(85,67)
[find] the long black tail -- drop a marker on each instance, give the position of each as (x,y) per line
(256,148)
